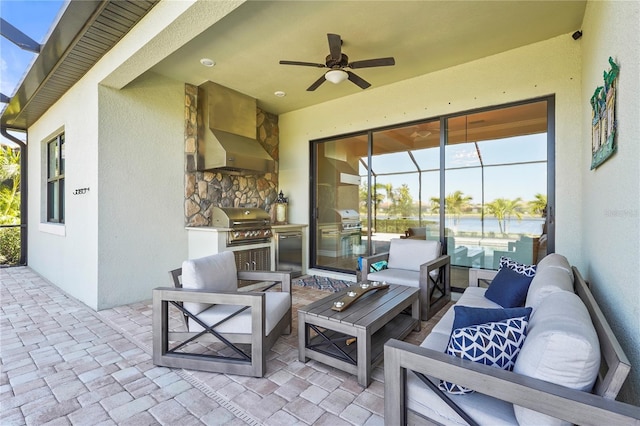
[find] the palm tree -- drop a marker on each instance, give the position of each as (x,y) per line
(454,205)
(503,209)
(9,185)
(390,197)
(538,205)
(404,200)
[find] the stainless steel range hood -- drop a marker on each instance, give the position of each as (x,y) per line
(229,133)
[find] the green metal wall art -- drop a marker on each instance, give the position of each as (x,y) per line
(603,114)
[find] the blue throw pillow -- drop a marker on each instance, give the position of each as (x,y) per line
(496,344)
(521,268)
(508,289)
(466,316)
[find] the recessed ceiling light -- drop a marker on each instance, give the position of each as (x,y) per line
(207,62)
(280,94)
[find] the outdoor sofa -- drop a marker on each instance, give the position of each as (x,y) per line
(570,365)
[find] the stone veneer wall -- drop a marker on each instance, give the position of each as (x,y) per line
(204,190)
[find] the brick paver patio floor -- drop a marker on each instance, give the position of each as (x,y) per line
(62,363)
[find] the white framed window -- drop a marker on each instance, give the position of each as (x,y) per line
(55,179)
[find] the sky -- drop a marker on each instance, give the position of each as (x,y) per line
(464,173)
(35,18)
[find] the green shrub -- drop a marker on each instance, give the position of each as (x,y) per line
(9,246)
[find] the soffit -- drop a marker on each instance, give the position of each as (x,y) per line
(422,36)
(85,32)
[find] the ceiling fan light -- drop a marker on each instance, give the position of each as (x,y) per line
(336,76)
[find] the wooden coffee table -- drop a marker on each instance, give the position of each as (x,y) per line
(353,339)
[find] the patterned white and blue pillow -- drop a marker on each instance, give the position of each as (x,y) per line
(521,268)
(496,344)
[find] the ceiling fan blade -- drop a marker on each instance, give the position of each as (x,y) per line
(368,63)
(363,84)
(306,64)
(316,84)
(335,46)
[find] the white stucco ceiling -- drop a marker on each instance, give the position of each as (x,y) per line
(422,36)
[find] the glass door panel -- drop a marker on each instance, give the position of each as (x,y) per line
(338,222)
(496,187)
(404,181)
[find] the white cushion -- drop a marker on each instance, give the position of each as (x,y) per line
(555,260)
(547,281)
(483,409)
(276,305)
(561,347)
(214,273)
(410,254)
(396,276)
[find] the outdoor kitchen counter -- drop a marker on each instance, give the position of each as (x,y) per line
(208,240)
(288,227)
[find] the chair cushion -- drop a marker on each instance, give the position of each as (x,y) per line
(410,254)
(521,268)
(562,347)
(396,276)
(276,306)
(508,288)
(496,344)
(417,232)
(214,273)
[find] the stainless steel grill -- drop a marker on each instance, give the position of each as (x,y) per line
(244,225)
(349,220)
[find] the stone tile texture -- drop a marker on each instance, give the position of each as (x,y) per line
(61,363)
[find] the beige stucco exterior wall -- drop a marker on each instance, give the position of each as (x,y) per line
(101,260)
(611,193)
(141,232)
(121,237)
(67,254)
(549,67)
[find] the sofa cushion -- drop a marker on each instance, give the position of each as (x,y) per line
(466,316)
(508,288)
(410,254)
(562,347)
(216,272)
(496,344)
(555,260)
(472,296)
(482,408)
(521,268)
(547,281)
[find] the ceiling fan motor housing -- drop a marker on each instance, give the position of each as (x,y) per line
(334,64)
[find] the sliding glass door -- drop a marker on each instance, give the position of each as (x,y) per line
(480,186)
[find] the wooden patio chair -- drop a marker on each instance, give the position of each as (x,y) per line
(243,325)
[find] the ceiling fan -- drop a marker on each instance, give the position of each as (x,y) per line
(337,61)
